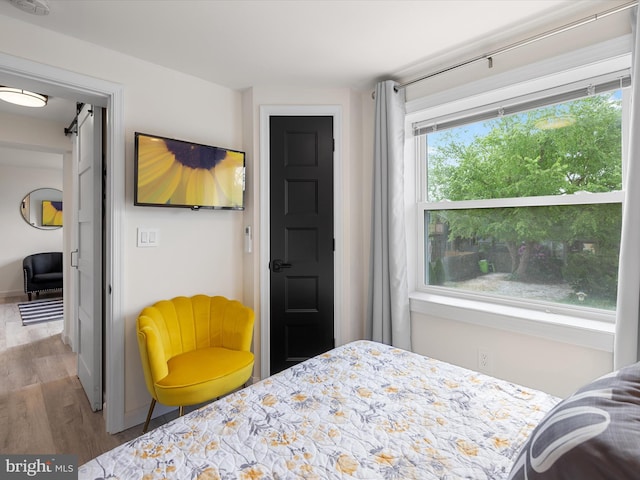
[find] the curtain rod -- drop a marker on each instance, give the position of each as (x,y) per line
(489,56)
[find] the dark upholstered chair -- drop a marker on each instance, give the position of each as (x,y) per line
(42,272)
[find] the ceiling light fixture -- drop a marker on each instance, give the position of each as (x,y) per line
(34,7)
(22,97)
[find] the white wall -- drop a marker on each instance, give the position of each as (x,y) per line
(28,133)
(18,238)
(199,252)
(203,251)
(595,32)
(350,210)
(552,366)
(30,157)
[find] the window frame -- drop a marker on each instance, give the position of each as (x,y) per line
(442,108)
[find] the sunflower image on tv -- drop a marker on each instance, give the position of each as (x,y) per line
(51,213)
(173,172)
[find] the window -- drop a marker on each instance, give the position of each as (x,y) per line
(522,204)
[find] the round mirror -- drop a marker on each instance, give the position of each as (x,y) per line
(42,208)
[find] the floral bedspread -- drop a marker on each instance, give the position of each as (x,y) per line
(363,410)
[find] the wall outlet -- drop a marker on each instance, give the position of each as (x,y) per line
(485,362)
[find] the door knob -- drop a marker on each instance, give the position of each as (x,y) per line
(278,265)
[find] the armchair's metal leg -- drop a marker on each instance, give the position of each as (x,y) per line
(151,407)
(181,410)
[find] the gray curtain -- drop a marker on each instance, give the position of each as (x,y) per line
(388,316)
(627,339)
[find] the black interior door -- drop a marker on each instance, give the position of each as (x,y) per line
(301,238)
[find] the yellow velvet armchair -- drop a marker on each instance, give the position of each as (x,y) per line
(194,349)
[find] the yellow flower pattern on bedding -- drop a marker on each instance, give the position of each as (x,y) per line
(361,411)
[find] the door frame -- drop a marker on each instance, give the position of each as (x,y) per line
(81,88)
(266,111)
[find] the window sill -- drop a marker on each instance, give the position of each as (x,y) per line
(594,334)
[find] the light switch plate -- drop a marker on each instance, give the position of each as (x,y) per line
(148,237)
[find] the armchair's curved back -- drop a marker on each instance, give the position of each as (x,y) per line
(45,262)
(183,324)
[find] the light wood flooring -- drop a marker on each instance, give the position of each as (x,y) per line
(43,408)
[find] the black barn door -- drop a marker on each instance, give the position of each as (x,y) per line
(301,238)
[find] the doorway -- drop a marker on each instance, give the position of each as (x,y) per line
(66,84)
(285,322)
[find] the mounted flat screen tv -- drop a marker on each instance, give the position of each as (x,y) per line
(51,213)
(176,173)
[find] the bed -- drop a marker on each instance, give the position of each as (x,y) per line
(363,410)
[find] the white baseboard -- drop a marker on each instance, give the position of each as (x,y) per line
(66,339)
(13,293)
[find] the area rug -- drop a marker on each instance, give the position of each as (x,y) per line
(40,311)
